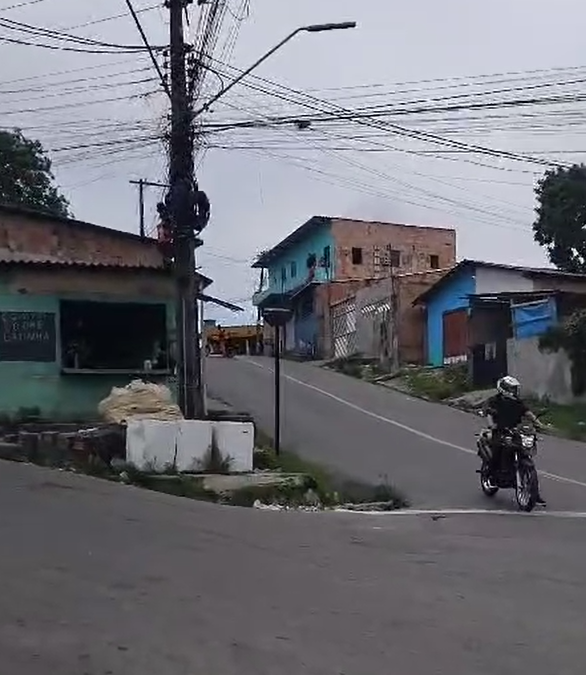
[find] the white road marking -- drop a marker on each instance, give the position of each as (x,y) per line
(468,512)
(404,427)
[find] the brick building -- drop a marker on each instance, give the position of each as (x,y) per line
(328,259)
(82,308)
(380,321)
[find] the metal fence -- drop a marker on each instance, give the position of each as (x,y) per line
(373,334)
(344,328)
(363,324)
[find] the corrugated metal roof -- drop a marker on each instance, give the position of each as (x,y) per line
(32,262)
(526,271)
(24,258)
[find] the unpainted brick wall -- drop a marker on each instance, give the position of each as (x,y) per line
(327,295)
(416,246)
(38,238)
(412,342)
(411,319)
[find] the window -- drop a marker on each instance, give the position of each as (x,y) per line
(434,262)
(356,256)
(293,269)
(283,275)
(326,257)
(394,258)
(105,336)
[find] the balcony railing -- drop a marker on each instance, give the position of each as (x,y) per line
(320,276)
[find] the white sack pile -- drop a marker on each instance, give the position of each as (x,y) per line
(139,400)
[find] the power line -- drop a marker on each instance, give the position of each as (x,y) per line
(148,47)
(60,35)
(21,4)
(313,102)
(113,17)
(77,50)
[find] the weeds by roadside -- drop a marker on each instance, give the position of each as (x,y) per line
(438,384)
(331,488)
(361,368)
(568,421)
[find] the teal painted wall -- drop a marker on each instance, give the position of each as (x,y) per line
(41,385)
(296,256)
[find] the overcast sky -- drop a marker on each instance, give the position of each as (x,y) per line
(264,182)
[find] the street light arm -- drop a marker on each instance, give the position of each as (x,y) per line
(246,72)
(322,27)
(314,28)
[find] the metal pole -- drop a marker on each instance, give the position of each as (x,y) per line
(181,180)
(277,390)
(202,358)
(141,207)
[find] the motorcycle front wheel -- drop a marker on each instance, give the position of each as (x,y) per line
(485,484)
(526,490)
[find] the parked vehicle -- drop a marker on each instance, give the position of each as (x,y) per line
(516,470)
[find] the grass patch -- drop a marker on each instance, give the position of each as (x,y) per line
(169,483)
(359,367)
(330,487)
(568,420)
(438,384)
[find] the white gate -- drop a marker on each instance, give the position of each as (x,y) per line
(344,328)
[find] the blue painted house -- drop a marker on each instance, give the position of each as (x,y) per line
(295,268)
(328,259)
(505,301)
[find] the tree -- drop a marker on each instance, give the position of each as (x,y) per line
(561,217)
(25,176)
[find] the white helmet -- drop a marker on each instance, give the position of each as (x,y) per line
(508,386)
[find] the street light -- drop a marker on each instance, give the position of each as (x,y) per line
(314,28)
(277,316)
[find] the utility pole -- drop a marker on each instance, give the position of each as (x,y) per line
(182,188)
(141,186)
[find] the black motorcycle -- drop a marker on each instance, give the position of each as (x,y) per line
(517,467)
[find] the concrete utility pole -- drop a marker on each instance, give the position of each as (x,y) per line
(182,190)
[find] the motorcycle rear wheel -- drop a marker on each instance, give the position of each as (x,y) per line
(527,492)
(485,485)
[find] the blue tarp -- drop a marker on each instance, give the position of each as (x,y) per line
(533,318)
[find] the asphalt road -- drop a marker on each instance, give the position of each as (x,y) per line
(103,579)
(367,431)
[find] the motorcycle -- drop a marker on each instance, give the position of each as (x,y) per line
(517,467)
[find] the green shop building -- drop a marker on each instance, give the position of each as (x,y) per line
(83,308)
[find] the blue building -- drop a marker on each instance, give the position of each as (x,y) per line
(294,269)
(328,259)
(478,305)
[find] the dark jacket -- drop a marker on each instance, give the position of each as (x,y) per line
(506,412)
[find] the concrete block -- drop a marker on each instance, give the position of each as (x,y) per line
(236,440)
(194,441)
(151,444)
(154,445)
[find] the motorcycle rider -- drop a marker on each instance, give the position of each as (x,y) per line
(506,410)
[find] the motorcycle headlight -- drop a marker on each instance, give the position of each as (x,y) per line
(527,441)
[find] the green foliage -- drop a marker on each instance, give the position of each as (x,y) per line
(331,488)
(214,462)
(561,217)
(570,335)
(25,176)
(438,384)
